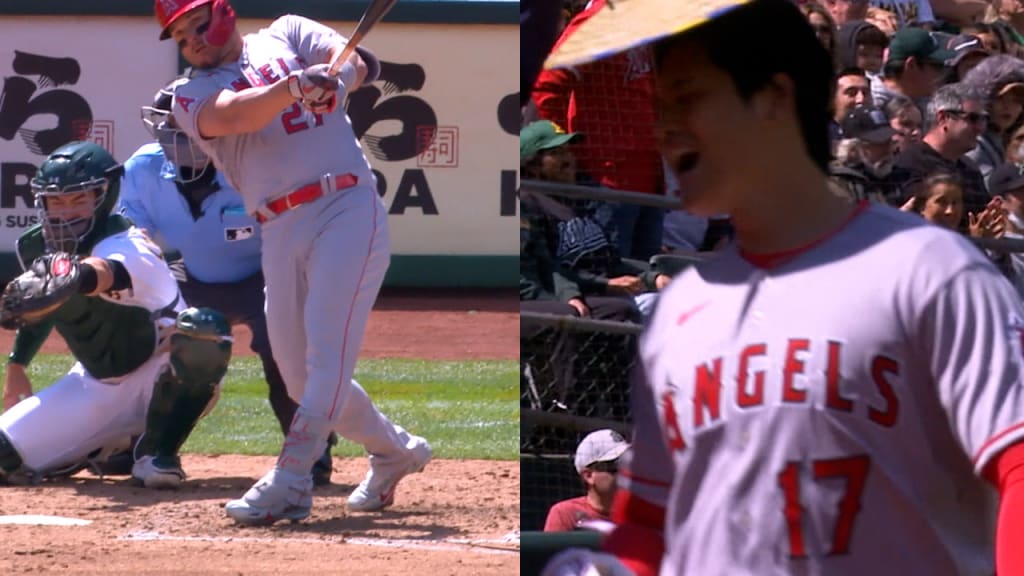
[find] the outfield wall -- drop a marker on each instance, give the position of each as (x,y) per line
(439,126)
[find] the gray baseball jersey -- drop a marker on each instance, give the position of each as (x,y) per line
(257,164)
(829,413)
(323,261)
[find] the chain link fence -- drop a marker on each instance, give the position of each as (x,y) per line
(574,378)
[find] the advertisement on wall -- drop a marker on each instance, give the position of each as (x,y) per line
(439,125)
(74,89)
(441,128)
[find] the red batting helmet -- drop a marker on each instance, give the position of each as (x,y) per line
(222,18)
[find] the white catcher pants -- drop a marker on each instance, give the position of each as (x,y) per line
(78,414)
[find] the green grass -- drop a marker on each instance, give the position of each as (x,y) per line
(465,409)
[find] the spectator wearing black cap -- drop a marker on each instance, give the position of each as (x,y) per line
(1007,183)
(989,34)
(1007,18)
(865,159)
(969,53)
(956,117)
(1000,79)
(915,67)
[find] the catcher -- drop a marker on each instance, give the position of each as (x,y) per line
(146,364)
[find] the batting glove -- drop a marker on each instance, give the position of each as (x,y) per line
(314,86)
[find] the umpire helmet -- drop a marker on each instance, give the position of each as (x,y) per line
(73,169)
(187,157)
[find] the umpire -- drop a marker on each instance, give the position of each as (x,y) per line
(173,191)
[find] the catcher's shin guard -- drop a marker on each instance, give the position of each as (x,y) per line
(200,353)
(10,460)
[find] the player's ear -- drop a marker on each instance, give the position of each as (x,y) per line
(777,97)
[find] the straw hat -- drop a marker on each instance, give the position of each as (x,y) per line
(625,24)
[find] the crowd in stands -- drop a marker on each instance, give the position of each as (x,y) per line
(927,106)
(927,117)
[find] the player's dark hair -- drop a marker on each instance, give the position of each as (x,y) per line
(851,71)
(871,36)
(924,188)
(741,44)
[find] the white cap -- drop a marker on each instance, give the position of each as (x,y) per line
(600,446)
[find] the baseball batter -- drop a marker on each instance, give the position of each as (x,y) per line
(145,365)
(267,113)
(840,392)
(172,191)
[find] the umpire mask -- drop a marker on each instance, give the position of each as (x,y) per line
(182,152)
(178,148)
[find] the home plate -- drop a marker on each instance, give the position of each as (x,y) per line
(43,520)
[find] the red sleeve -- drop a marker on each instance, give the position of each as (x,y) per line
(551,94)
(1007,473)
(637,539)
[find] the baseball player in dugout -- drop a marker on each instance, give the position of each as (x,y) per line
(267,112)
(145,364)
(841,391)
(172,191)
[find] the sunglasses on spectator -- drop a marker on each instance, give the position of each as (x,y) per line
(610,467)
(970,117)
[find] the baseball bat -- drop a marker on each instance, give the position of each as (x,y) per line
(374,12)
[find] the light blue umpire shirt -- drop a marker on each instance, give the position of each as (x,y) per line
(222,245)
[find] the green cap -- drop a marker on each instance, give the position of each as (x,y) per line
(542,135)
(918,43)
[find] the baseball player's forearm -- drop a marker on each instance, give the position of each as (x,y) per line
(101,275)
(356,61)
(17,385)
(27,342)
(243,112)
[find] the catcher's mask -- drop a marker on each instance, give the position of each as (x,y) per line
(75,189)
(188,159)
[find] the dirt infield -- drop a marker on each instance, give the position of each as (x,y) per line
(458,517)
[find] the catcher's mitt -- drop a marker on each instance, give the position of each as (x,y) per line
(48,283)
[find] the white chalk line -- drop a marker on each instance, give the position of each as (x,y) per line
(506,545)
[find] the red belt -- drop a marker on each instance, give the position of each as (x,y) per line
(305,195)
